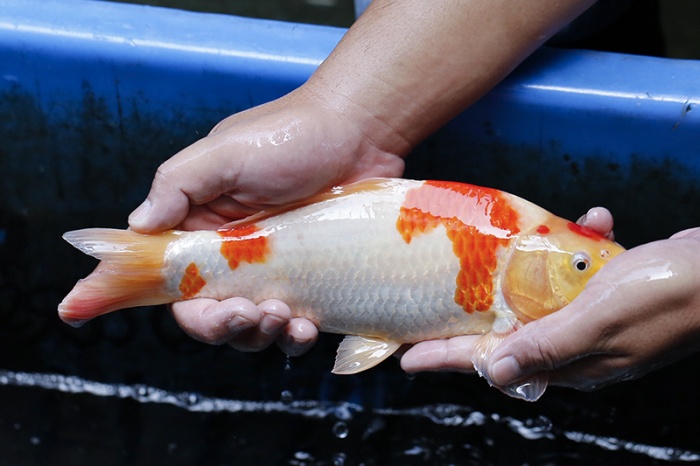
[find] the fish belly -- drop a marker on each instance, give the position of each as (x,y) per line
(370,282)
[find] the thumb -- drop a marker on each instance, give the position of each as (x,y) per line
(545,345)
(195,175)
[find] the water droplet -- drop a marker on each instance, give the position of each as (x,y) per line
(303,456)
(341,430)
(374,426)
(416,450)
(339,459)
(343,413)
(287,396)
(288,364)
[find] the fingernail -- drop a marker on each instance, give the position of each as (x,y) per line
(505,371)
(293,347)
(238,324)
(270,324)
(138,215)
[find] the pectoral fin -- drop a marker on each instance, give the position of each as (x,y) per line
(356,354)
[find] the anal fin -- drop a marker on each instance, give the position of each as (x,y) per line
(357,354)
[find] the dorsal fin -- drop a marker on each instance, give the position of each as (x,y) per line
(369,184)
(357,353)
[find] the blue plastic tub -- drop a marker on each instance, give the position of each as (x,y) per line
(95,95)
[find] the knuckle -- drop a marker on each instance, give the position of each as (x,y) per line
(544,354)
(161,176)
(212,335)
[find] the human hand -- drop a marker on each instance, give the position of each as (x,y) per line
(244,325)
(273,154)
(639,312)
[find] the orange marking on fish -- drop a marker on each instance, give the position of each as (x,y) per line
(478,221)
(242,245)
(585,232)
(192,282)
(414,221)
(543,229)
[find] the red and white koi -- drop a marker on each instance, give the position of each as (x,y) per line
(384,261)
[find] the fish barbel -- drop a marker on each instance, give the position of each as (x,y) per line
(384,261)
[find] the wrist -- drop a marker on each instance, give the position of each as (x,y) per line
(370,130)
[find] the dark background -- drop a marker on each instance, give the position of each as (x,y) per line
(378,417)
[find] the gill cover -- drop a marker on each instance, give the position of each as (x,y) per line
(551,265)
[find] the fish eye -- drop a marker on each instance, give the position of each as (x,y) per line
(581,261)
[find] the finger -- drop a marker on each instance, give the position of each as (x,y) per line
(600,220)
(202,218)
(687,233)
(549,343)
(298,337)
(453,354)
(215,322)
(230,208)
(273,318)
(215,214)
(196,175)
(592,372)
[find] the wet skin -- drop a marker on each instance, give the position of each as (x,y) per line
(640,312)
(357,117)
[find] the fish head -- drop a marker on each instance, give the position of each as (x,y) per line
(550,265)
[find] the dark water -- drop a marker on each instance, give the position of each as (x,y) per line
(91,420)
(131,389)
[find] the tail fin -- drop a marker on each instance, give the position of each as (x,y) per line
(128,276)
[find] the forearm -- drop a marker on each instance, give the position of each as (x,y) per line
(408,66)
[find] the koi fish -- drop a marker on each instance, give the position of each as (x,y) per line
(384,261)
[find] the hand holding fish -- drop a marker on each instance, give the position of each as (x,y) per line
(270,155)
(640,312)
(381,91)
(260,158)
(244,325)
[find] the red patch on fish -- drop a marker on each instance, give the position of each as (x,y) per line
(543,229)
(585,232)
(242,245)
(192,282)
(478,221)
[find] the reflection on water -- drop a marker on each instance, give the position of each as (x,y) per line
(342,414)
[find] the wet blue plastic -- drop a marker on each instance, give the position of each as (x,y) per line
(584,101)
(168,57)
(94,95)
